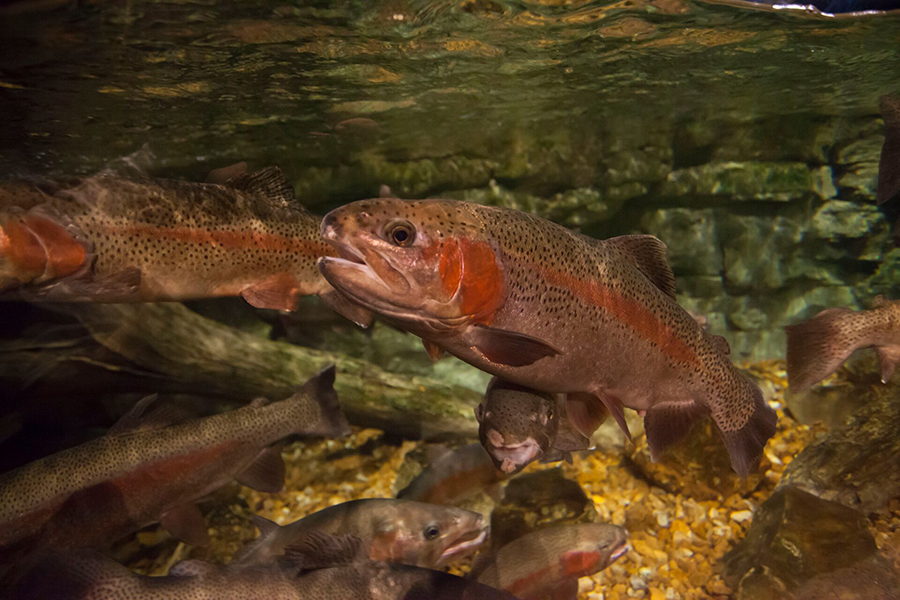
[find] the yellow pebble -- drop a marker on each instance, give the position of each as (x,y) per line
(657,594)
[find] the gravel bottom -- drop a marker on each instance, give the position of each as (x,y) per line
(677,539)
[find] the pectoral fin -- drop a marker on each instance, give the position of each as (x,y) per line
(587,412)
(344,307)
(434,351)
(508,347)
(319,550)
(186,523)
(266,473)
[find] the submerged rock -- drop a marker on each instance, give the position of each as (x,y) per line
(857,464)
(795,537)
(770,181)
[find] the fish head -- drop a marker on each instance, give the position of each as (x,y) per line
(427,535)
(516,425)
(598,546)
(425,263)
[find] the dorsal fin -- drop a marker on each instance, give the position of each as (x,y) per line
(721,344)
(149,413)
(318,550)
(269,182)
(648,254)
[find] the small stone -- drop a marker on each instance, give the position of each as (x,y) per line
(662,519)
(671,594)
(637,583)
(741,516)
(657,594)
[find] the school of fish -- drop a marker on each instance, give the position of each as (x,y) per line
(573,329)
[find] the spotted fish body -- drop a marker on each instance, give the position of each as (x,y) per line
(817,347)
(540,564)
(398,531)
(118,239)
(90,576)
(458,474)
(549,309)
(147,470)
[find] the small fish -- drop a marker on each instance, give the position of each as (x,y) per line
(110,238)
(147,469)
(456,475)
(889,163)
(318,567)
(817,347)
(518,425)
(549,561)
(400,531)
(546,308)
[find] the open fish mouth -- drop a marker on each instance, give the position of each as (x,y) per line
(513,457)
(464,544)
(620,551)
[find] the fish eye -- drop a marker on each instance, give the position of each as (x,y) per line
(432,531)
(401,233)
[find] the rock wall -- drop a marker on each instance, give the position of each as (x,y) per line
(767,221)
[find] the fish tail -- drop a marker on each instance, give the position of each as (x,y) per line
(331,422)
(816,348)
(889,164)
(66,576)
(744,444)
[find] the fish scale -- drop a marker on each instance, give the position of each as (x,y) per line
(568,314)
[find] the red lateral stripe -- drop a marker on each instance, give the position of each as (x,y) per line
(229,238)
(627,310)
(540,578)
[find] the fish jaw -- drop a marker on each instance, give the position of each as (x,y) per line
(512,458)
(464,545)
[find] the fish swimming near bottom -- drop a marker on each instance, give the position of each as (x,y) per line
(889,163)
(398,531)
(517,426)
(817,347)
(536,304)
(148,470)
(454,476)
(319,567)
(111,238)
(548,562)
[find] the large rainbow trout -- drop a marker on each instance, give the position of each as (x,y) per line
(148,469)
(110,238)
(544,307)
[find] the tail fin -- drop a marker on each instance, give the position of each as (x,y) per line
(816,348)
(745,444)
(69,576)
(331,422)
(889,165)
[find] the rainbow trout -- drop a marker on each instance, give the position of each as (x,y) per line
(517,426)
(541,306)
(397,531)
(817,347)
(317,568)
(110,238)
(548,562)
(147,470)
(456,475)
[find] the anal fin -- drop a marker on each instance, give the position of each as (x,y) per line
(278,292)
(265,473)
(745,444)
(666,424)
(434,351)
(187,524)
